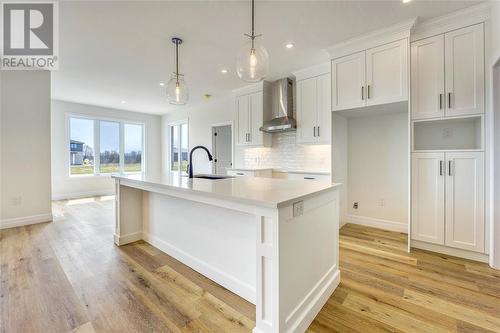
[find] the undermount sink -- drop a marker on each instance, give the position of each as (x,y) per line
(212,177)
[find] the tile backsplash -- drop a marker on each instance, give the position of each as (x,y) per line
(285,153)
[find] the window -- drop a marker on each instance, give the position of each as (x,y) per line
(178,147)
(81,152)
(119,146)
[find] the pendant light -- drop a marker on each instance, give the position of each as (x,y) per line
(253,59)
(177,91)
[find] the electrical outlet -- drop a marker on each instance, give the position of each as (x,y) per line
(355,205)
(381,202)
(447,133)
(17,200)
(298,208)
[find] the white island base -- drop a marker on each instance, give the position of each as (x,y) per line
(242,234)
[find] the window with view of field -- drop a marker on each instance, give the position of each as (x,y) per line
(178,148)
(105,137)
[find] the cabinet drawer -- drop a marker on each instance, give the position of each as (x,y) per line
(241,173)
(308,176)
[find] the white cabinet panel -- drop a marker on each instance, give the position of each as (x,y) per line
(428,186)
(306,110)
(465,201)
(387,73)
(256,118)
(348,82)
(464,71)
(324,131)
(427,78)
(243,115)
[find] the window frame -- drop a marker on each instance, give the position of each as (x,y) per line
(97,144)
(170,143)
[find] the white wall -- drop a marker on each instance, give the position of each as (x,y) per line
(64,186)
(340,160)
(25,148)
(378,167)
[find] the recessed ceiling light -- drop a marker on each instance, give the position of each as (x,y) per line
(162,84)
(406,1)
(124,102)
(289,45)
(223,71)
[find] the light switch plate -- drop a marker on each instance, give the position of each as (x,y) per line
(298,208)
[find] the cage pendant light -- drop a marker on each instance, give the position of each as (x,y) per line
(252,63)
(177,90)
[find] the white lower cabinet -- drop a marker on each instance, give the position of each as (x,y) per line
(448,199)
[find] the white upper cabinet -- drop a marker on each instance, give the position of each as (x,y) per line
(387,73)
(464,71)
(348,82)
(313,110)
(376,76)
(428,188)
(250,116)
(448,74)
(465,200)
(427,78)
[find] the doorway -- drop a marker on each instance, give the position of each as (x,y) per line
(222,148)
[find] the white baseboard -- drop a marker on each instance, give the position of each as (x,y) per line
(25,220)
(129,238)
(79,195)
(303,315)
(229,282)
(376,223)
(476,256)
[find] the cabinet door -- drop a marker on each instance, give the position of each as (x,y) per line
(427,211)
(464,71)
(256,118)
(427,78)
(387,73)
(243,118)
(465,201)
(324,124)
(348,82)
(306,110)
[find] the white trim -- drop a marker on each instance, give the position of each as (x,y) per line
(476,256)
(175,123)
(25,220)
(376,223)
(128,238)
(453,21)
(313,71)
(373,39)
(79,195)
(230,282)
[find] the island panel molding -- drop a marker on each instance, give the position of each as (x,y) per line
(284,260)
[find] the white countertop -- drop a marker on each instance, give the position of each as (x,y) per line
(267,192)
(311,172)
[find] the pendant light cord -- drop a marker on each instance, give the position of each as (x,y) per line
(177,61)
(253,19)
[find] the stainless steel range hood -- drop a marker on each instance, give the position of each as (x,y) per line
(282,108)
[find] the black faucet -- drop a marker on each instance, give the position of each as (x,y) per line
(190,166)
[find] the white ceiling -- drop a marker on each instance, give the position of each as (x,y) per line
(120,50)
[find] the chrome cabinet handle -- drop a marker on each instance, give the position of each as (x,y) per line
(363,93)
(249,137)
(314,131)
(368,91)
(449,100)
(318,132)
(240,174)
(449,168)
(440,101)
(441,167)
(311,178)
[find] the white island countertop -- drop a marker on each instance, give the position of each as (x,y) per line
(266,192)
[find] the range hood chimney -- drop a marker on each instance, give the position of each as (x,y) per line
(282,107)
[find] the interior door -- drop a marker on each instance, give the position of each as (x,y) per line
(221,149)
(427,78)
(348,82)
(323,131)
(465,200)
(387,73)
(464,71)
(427,212)
(256,118)
(306,111)
(243,107)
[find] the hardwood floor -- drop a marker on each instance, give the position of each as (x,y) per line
(68,276)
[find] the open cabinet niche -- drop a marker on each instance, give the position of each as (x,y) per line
(448,134)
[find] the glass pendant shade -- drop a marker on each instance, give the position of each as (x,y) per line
(177,91)
(252,62)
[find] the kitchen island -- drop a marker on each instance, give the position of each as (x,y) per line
(271,241)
